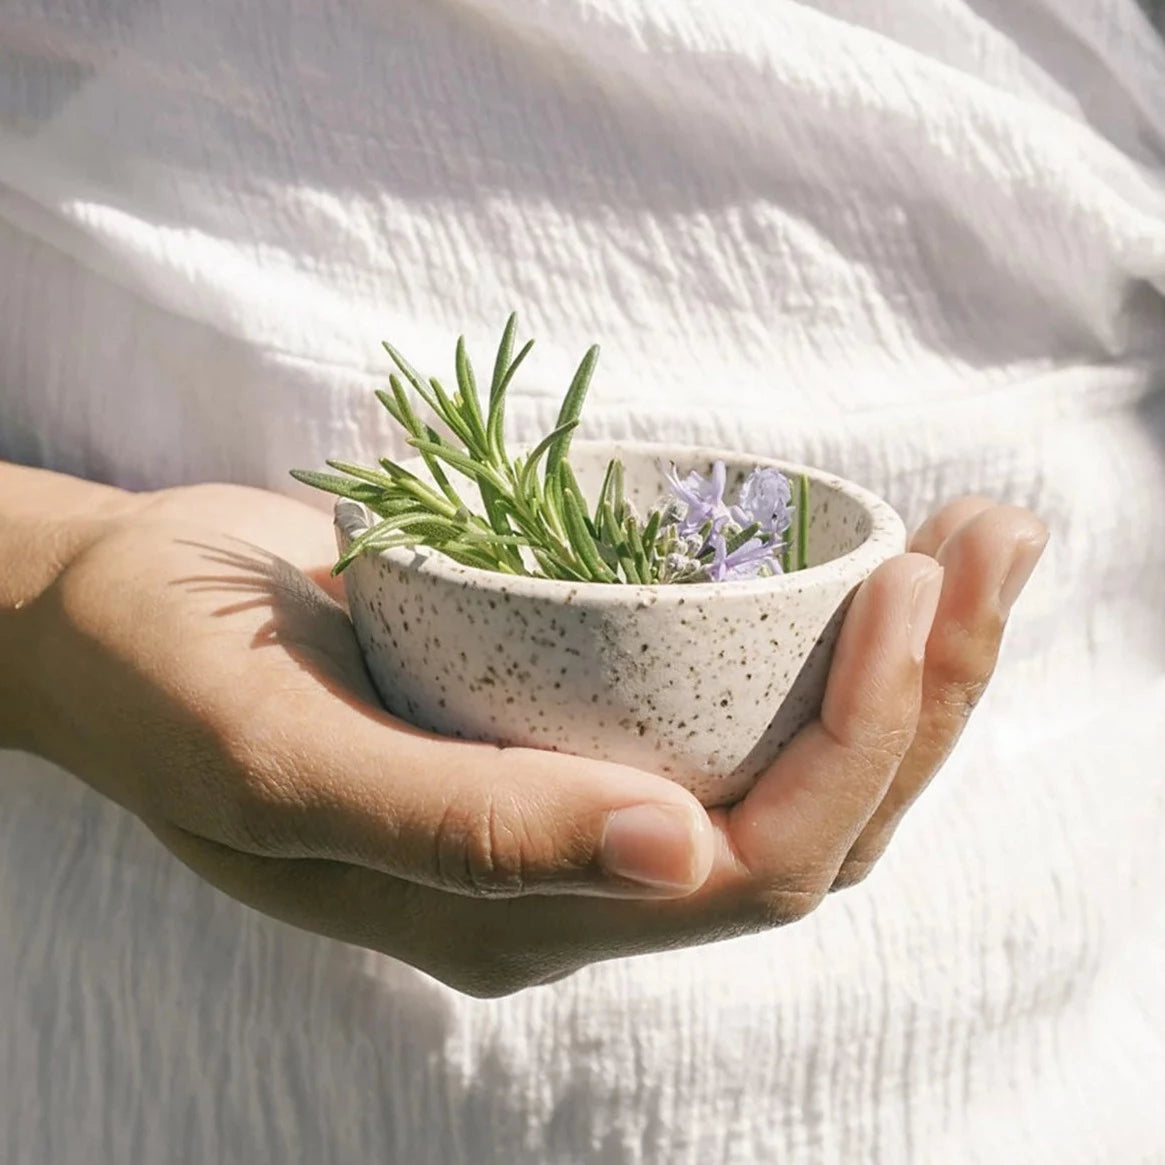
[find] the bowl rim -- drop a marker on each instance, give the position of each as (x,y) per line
(352,518)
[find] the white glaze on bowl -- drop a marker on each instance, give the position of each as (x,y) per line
(702,683)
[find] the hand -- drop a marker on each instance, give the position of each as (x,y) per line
(216,690)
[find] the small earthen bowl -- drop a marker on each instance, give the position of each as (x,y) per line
(703,683)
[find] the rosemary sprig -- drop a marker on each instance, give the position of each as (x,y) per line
(536,520)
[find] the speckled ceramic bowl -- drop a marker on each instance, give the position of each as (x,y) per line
(702,683)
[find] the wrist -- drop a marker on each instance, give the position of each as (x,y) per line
(19,686)
(34,635)
(46,520)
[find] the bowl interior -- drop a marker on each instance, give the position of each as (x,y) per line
(838,521)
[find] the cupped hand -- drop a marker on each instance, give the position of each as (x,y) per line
(198,667)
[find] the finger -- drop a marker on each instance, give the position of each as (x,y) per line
(943,523)
(805,812)
(484,948)
(988,560)
(347,782)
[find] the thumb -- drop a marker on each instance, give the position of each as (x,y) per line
(494,822)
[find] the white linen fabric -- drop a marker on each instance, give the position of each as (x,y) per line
(919,242)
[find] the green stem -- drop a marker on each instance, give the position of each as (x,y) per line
(803,523)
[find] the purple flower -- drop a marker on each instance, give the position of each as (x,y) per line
(745,561)
(703,524)
(701,499)
(764,500)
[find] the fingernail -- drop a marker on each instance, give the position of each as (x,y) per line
(924,607)
(1028,552)
(653,845)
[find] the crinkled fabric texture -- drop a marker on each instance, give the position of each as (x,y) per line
(919,242)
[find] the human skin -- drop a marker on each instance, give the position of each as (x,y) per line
(186,654)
